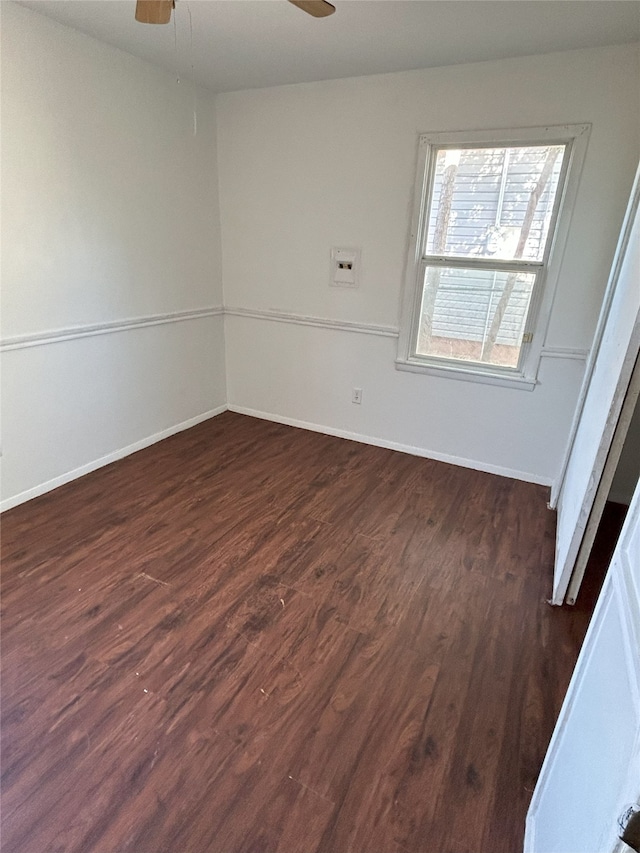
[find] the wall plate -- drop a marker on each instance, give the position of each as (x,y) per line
(345,267)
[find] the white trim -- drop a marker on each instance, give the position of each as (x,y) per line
(410,285)
(603,487)
(605,600)
(42,488)
(621,248)
(466,372)
(555,257)
(319,322)
(393,445)
(530,845)
(548,134)
(628,586)
(378,330)
(72,333)
(565,352)
(75,332)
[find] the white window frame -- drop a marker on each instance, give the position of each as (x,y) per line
(575,137)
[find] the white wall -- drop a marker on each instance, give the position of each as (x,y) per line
(307,167)
(109,213)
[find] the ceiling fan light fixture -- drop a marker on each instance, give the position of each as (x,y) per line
(159,11)
(317,8)
(154,11)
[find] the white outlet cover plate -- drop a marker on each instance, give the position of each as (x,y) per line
(341,277)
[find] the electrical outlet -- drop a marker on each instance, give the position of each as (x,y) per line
(356,396)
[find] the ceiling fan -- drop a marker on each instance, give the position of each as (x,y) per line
(159,11)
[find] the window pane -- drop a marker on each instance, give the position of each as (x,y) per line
(474,315)
(493,202)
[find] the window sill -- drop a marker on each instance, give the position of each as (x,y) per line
(467,374)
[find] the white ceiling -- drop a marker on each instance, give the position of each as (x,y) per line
(241,44)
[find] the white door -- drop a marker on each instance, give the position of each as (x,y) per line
(606,383)
(591,773)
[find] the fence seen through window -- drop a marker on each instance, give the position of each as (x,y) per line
(490,214)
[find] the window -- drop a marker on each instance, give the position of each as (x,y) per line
(491,207)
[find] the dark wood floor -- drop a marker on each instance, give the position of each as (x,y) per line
(254,638)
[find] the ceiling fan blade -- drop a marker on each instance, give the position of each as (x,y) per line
(317,8)
(154,11)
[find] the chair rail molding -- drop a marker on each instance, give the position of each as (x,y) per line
(71,333)
(310,320)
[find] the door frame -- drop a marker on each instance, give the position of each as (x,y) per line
(621,249)
(602,492)
(572,527)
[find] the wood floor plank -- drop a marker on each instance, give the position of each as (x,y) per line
(250,637)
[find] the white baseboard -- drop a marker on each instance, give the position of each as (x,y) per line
(42,488)
(394,445)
